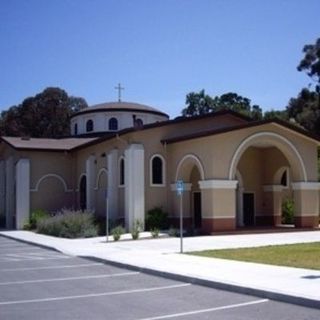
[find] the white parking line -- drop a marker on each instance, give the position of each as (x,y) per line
(30,257)
(94,295)
(230,306)
(122,274)
(54,267)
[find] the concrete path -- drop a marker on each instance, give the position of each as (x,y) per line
(162,256)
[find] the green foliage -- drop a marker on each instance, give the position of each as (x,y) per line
(155,233)
(287,211)
(156,218)
(69,224)
(100,222)
(117,232)
(201,103)
(137,228)
(36,216)
(173,232)
(46,115)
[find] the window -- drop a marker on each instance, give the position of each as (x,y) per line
(157,170)
(139,123)
(121,172)
(113,124)
(75,129)
(89,125)
(284,178)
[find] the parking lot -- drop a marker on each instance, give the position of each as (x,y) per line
(45,284)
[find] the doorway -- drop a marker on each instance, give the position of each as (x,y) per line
(248,209)
(83,193)
(197,218)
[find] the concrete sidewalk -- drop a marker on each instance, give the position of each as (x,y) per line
(160,256)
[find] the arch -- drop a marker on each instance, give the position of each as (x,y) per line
(282,143)
(194,160)
(100,173)
(89,125)
(157,170)
(51,175)
(113,124)
(278,176)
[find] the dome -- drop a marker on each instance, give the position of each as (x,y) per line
(121,106)
(113,117)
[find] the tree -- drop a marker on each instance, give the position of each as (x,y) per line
(311,63)
(44,115)
(201,103)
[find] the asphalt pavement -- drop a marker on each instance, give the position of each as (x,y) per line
(36,282)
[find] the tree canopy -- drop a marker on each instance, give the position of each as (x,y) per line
(200,103)
(46,115)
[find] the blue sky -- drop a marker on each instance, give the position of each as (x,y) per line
(159,50)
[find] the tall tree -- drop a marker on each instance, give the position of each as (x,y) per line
(201,103)
(44,115)
(311,63)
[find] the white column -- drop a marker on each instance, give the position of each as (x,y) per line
(91,176)
(134,184)
(22,192)
(113,183)
(9,192)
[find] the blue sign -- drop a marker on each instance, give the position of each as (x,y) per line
(180,187)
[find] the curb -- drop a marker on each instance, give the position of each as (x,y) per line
(281,297)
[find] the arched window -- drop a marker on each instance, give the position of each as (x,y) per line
(121,172)
(113,124)
(157,170)
(75,129)
(89,125)
(139,123)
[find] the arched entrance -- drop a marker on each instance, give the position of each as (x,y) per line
(190,170)
(264,164)
(83,192)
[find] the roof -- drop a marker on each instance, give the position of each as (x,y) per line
(43,144)
(120,106)
(211,132)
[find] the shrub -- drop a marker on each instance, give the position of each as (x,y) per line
(156,218)
(155,233)
(117,232)
(137,228)
(36,216)
(173,232)
(287,211)
(69,224)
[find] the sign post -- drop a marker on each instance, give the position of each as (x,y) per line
(180,189)
(107,216)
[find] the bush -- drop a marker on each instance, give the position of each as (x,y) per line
(117,232)
(36,216)
(287,211)
(156,218)
(69,224)
(101,225)
(137,228)
(155,233)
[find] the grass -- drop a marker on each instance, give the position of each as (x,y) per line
(301,255)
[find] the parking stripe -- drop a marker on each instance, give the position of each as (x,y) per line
(231,306)
(122,274)
(94,295)
(54,267)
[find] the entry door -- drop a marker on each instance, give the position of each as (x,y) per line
(197,209)
(248,209)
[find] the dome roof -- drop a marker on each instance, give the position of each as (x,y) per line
(121,106)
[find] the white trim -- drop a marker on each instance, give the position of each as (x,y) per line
(163,184)
(273,188)
(306,185)
(198,163)
(278,176)
(187,186)
(101,171)
(247,142)
(51,175)
(218,184)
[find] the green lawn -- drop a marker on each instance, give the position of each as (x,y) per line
(302,255)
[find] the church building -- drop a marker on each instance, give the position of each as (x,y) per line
(236,172)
